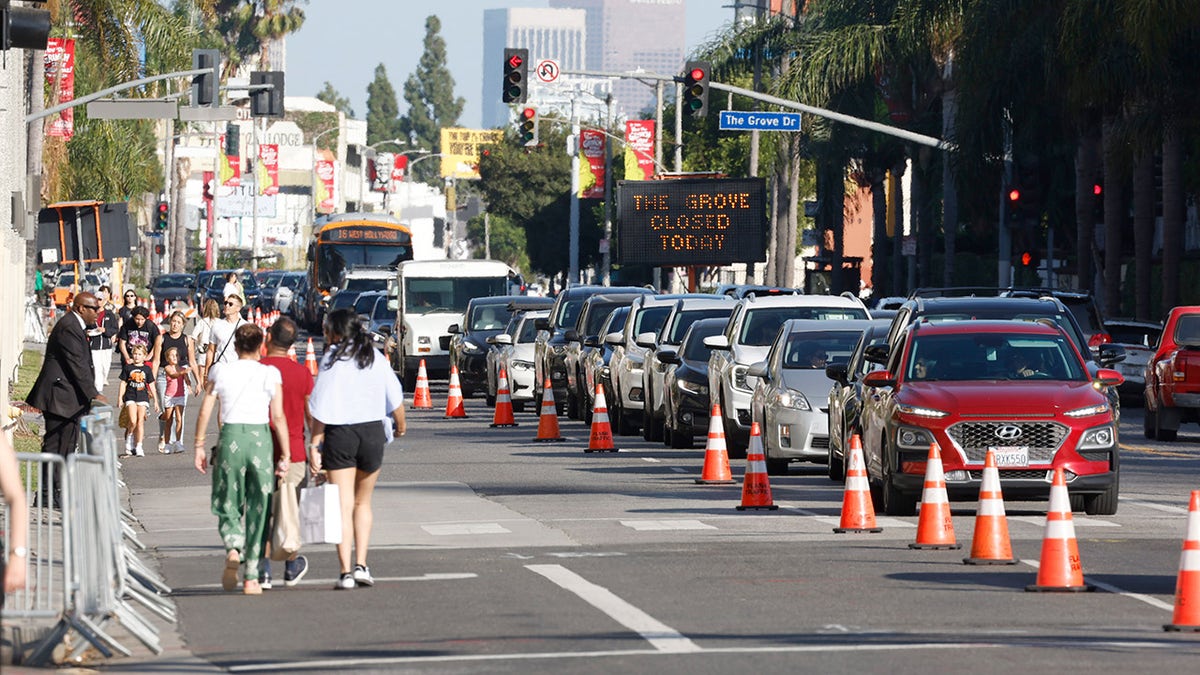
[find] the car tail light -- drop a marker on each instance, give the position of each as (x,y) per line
(1098,339)
(917,468)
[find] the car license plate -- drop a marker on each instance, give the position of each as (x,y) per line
(1008,456)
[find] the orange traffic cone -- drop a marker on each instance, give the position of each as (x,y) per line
(756,487)
(1187,584)
(292,354)
(503,416)
(935,529)
(858,511)
(990,544)
(421,397)
(310,358)
(1060,569)
(716,454)
(601,439)
(454,402)
(548,421)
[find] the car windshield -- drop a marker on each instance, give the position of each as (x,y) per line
(1134,335)
(247,281)
(993,356)
(272,281)
(290,281)
(342,299)
(693,348)
(359,285)
(813,350)
(385,311)
(364,304)
(173,281)
(684,320)
(650,320)
(615,323)
(528,330)
(597,315)
(422,296)
(488,317)
(1063,321)
(568,312)
(762,324)
(1187,330)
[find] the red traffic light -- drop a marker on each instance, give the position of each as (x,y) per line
(163,207)
(1027,258)
(529,113)
(696,74)
(515,61)
(1014,195)
(1097,189)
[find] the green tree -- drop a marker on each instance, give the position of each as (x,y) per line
(508,241)
(331,96)
(383,113)
(432,105)
(247,27)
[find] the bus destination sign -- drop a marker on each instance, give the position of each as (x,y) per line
(379,235)
(705,221)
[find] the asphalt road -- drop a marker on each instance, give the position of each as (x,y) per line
(494,554)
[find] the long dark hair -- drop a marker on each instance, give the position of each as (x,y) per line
(352,340)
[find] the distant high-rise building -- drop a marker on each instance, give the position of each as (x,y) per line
(557,34)
(625,35)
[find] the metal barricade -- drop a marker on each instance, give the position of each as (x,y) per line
(47,562)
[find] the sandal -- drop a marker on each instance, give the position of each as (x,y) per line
(252,587)
(229,577)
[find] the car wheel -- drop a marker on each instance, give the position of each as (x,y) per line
(623,427)
(410,379)
(467,393)
(679,440)
(572,405)
(777,467)
(490,399)
(1148,423)
(518,406)
(1161,434)
(1105,503)
(837,466)
(896,503)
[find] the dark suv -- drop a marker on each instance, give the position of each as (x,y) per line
(210,285)
(1020,389)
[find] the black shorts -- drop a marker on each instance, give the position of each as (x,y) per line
(350,446)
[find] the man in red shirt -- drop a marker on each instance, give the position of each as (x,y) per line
(297,385)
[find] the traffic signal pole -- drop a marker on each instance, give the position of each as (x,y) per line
(573,266)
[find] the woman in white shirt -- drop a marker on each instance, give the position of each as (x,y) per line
(250,394)
(354,394)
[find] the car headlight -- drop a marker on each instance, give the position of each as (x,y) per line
(604,371)
(913,437)
(1088,411)
(470,347)
(921,412)
(793,399)
(423,340)
(693,388)
(738,376)
(1098,438)
(522,365)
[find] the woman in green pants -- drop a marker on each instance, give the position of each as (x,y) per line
(250,394)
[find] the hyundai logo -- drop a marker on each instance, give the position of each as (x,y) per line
(1008,432)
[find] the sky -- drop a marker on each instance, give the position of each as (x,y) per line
(343,40)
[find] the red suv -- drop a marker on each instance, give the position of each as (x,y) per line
(1018,388)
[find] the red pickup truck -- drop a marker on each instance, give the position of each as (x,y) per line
(1173,376)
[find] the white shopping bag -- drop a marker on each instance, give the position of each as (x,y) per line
(320,515)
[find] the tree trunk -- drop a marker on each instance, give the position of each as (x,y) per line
(923,220)
(879,242)
(793,219)
(949,185)
(772,233)
(1114,220)
(35,73)
(897,207)
(1086,172)
(179,232)
(1173,213)
(1143,229)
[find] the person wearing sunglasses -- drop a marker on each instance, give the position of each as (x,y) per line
(129,303)
(220,336)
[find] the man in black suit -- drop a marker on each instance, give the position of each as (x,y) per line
(66,386)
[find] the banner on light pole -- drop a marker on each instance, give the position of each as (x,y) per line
(639,149)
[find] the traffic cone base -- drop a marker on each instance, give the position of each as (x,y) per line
(601,438)
(421,398)
(756,487)
(503,416)
(858,511)
(1060,569)
(716,454)
(990,543)
(548,420)
(935,528)
(1186,617)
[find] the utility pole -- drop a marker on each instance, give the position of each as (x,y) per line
(487,236)
(573,146)
(656,278)
(606,255)
(254,249)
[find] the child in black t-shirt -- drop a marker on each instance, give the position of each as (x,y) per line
(137,393)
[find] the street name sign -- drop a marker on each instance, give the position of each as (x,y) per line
(738,120)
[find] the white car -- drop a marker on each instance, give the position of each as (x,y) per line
(630,350)
(1139,338)
(514,354)
(748,336)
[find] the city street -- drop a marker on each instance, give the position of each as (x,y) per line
(496,554)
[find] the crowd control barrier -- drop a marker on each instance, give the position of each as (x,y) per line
(84,572)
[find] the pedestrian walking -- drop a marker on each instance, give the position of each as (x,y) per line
(177,377)
(233,286)
(354,394)
(173,338)
(220,336)
(297,385)
(250,394)
(139,330)
(101,338)
(66,385)
(128,304)
(136,395)
(210,312)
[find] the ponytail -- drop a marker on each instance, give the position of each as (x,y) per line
(353,341)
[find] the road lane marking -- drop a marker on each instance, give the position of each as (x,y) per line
(1156,507)
(677,469)
(1080,521)
(465,528)
(663,637)
(658,525)
(1116,590)
(652,460)
(1155,451)
(428,576)
(836,520)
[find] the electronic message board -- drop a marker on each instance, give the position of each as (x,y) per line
(709,221)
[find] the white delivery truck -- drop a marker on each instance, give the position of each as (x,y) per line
(433,294)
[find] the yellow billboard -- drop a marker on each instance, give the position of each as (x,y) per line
(460,150)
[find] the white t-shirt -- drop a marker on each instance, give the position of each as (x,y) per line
(221,334)
(245,387)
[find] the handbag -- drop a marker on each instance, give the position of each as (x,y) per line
(320,515)
(285,537)
(123,420)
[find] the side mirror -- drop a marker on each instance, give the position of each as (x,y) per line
(571,335)
(758,370)
(500,339)
(876,354)
(591,341)
(645,340)
(668,356)
(879,378)
(716,342)
(541,324)
(837,373)
(1109,354)
(1109,377)
(614,338)
(453,329)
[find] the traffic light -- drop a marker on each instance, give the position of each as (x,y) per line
(529,127)
(233,138)
(695,88)
(266,102)
(22,28)
(163,214)
(1098,202)
(1014,206)
(516,75)
(204,86)
(1026,258)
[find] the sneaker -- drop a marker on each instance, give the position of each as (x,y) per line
(345,582)
(178,447)
(138,451)
(294,570)
(264,575)
(128,446)
(362,576)
(162,448)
